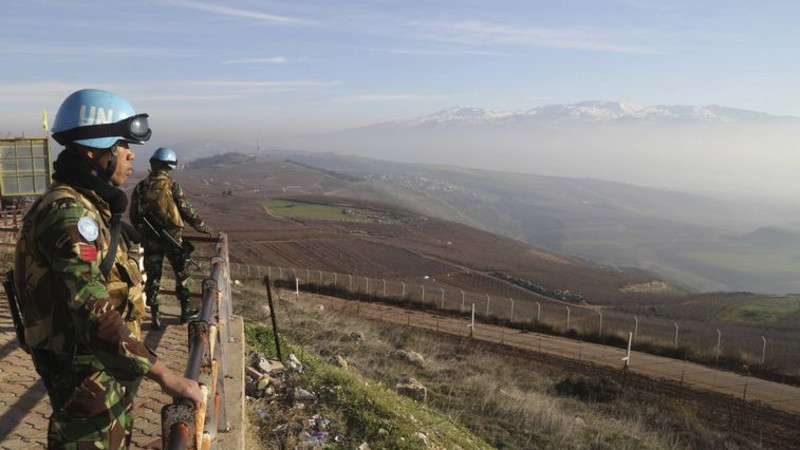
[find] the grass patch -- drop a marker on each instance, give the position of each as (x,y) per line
(295,209)
(760,311)
(314,211)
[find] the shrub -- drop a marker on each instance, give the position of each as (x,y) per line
(601,390)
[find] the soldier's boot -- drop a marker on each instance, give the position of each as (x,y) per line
(154,314)
(188,313)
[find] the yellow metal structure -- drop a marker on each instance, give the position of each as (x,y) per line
(25,166)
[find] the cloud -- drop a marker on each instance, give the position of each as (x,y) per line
(79,50)
(262,84)
(363,98)
(42,92)
(186,97)
(423,52)
(53,92)
(272,60)
(271,19)
(484,33)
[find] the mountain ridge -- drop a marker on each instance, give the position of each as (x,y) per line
(589,111)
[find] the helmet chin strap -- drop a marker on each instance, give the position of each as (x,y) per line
(97,154)
(108,171)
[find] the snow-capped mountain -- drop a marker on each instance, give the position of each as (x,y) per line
(592,112)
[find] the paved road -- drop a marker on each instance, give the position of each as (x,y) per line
(776,395)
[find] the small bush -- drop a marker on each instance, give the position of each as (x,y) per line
(600,390)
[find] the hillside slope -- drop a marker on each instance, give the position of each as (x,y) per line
(414,248)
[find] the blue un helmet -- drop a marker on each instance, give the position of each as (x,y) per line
(99,119)
(165,155)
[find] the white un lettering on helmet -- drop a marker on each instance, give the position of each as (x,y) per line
(96,116)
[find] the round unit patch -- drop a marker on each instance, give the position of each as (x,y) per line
(88,228)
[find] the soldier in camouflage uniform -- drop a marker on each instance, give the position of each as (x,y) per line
(161,200)
(79,288)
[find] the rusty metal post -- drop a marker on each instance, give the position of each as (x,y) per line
(177,425)
(178,437)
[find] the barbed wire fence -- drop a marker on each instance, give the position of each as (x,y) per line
(697,349)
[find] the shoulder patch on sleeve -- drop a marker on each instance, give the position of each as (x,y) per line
(88,228)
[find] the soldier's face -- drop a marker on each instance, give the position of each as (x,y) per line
(125,157)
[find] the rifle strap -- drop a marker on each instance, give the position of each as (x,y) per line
(116,228)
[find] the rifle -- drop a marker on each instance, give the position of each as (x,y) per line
(184,249)
(16,314)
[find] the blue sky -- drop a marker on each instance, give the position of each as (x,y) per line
(209,68)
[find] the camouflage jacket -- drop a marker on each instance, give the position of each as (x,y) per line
(69,309)
(158,194)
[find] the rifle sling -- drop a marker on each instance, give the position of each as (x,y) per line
(108,261)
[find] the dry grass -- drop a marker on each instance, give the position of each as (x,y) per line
(506,400)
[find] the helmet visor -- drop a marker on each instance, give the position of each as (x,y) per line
(134,129)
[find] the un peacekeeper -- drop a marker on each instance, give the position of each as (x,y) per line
(79,291)
(161,199)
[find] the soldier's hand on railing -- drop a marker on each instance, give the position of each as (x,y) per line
(206,229)
(176,385)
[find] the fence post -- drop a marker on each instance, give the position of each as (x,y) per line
(487,306)
(366,286)
(719,341)
(423,294)
(404,289)
(538,311)
(461,311)
(384,287)
(627,357)
(676,334)
(600,330)
(472,322)
(635,327)
(764,351)
(274,319)
(567,318)
(511,319)
(442,307)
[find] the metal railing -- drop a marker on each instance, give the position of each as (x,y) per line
(183,425)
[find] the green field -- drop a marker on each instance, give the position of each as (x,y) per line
(763,310)
(292,209)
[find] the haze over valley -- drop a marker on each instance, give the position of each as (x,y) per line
(701,196)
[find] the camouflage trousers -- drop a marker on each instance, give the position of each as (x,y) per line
(154,253)
(97,415)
